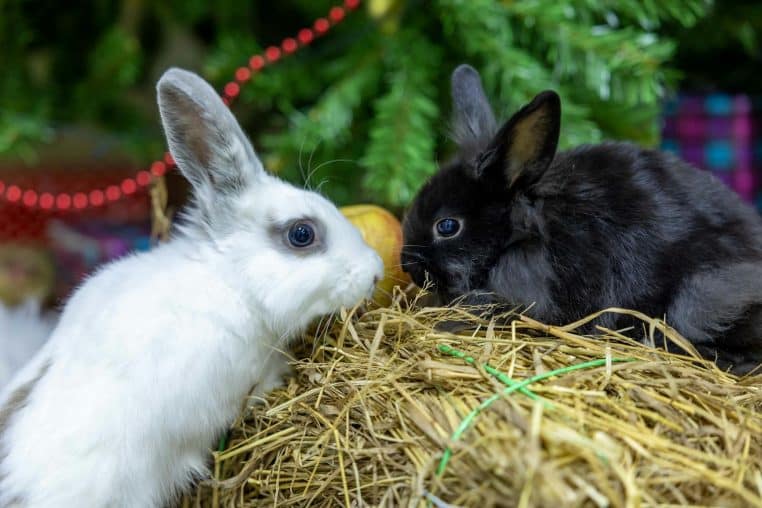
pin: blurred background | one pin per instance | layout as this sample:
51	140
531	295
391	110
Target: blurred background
348	96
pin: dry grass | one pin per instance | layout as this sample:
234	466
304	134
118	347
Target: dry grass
375	404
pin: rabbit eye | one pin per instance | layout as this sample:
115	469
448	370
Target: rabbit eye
301	235
448	227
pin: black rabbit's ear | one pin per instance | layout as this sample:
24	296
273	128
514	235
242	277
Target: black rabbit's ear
473	120
525	146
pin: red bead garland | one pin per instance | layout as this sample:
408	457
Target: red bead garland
336	14
80	200
322	25
30	198
242	74
113	193
256	62
129	186
305	36
272	54
143	178
289	45
63	201
96	197
47	200
232	89
13	193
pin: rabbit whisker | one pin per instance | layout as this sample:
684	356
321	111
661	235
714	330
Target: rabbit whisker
319	166
311	172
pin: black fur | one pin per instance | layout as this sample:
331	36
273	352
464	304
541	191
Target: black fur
608	225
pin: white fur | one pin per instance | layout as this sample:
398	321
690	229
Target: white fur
23	331
155	354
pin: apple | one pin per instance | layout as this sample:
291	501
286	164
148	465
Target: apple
383	233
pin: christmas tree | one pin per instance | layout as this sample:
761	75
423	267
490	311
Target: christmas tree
364	109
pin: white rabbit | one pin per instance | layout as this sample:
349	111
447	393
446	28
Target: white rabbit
154	355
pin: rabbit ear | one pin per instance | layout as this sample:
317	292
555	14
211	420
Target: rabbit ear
204	137
474	122
525	146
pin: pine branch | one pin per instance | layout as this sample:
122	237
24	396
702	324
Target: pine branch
623	64
400	154
649	14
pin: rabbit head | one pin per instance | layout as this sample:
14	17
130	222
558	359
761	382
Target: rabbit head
293	253
466	215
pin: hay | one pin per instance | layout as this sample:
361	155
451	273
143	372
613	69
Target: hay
370	414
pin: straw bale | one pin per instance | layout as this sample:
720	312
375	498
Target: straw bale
377	398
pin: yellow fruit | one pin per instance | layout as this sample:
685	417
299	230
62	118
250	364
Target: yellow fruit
383	232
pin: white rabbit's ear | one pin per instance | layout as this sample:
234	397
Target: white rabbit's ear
204	137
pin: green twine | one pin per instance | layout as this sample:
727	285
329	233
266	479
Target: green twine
444	348
512	386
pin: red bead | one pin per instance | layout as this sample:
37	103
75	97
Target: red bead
351	4
322	26
113	193
242	74
168	159
256	62
63	201
143	178
129	186
80	200
336	14
96	197
47	201
305	36
232	89
2	187
13	194
158	168
289	45
272	54
30	198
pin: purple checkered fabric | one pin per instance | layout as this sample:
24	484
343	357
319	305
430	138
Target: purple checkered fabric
719	133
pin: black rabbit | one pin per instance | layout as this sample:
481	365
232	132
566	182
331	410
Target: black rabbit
511	221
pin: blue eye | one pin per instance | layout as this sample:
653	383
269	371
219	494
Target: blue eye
301	235
448	227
